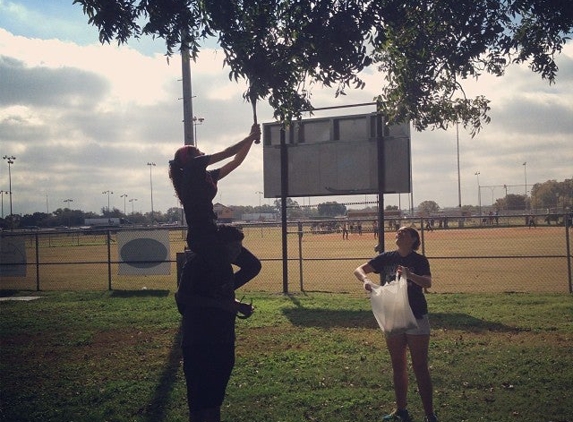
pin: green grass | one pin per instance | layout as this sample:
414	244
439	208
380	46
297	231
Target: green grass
114	356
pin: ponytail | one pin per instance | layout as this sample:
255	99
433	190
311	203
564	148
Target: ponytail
182	156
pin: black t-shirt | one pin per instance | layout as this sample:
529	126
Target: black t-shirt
387	263
200	189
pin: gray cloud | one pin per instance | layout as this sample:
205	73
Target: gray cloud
46	87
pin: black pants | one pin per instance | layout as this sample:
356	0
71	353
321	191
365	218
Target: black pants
208	346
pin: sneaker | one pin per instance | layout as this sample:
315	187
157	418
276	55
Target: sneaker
400	415
431	418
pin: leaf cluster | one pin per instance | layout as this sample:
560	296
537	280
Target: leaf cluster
423	49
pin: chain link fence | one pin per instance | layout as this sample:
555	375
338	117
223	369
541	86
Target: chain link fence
467	254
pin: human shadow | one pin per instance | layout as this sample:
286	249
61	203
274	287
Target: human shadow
155	411
139	293
342	318
330	318
8	292
465	322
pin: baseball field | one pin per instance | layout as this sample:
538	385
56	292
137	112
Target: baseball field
492	259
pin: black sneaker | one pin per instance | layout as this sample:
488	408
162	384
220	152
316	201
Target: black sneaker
400	415
431	418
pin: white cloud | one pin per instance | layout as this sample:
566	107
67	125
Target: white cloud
86	118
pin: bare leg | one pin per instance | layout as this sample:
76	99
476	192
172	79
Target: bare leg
397	348
418	345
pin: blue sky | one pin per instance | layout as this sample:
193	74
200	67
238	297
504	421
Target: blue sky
82	119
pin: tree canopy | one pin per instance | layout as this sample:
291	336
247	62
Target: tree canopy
331	209
427	208
424	49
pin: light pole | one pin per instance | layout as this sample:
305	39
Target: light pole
196	122
132	200
477	173
124	196
108	192
151	165
67	201
10	159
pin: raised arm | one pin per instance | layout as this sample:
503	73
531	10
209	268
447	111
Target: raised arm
239	151
234	149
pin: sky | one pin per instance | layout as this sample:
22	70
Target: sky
84	119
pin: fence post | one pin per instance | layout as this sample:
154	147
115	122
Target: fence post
300	234
109	259
422	229
284	194
568	249
37	263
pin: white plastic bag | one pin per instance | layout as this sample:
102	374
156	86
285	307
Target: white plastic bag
391	308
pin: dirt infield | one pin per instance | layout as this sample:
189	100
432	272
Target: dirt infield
463	260
489	259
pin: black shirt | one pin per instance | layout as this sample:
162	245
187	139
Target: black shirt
387	263
200	189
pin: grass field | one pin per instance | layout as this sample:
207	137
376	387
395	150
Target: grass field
493	259
114	356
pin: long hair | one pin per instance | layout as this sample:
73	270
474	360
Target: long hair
182	156
414	233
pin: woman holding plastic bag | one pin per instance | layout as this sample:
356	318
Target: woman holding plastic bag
405	262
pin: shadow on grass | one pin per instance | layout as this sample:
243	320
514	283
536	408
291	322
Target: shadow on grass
465	322
139	293
8	293
155	411
329	318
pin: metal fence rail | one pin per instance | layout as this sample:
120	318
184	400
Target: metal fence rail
467	254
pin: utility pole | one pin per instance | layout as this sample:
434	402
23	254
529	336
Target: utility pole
151	165
189	138
10	159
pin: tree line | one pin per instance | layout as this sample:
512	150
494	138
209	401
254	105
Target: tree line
550	195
